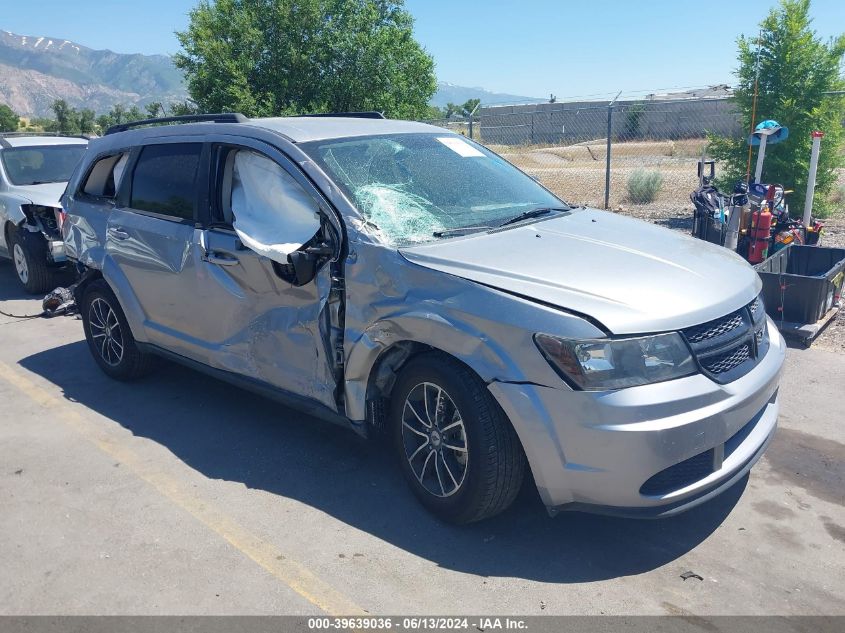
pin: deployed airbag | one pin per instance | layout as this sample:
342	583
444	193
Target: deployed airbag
273	214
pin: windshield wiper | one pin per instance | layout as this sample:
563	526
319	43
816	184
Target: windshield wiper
532	213
461	229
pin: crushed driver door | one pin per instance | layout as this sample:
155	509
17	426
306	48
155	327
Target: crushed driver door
257	319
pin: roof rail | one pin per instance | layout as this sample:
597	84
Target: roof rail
350	115
226	117
6	144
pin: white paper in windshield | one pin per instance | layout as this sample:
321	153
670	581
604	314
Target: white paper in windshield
460	146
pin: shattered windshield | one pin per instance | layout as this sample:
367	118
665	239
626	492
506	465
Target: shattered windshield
410	186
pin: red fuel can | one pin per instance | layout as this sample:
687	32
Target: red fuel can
761	229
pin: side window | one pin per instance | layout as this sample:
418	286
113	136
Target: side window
269	210
164	179
104	179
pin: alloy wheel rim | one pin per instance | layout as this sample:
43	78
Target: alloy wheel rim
21	266
106	332
434	438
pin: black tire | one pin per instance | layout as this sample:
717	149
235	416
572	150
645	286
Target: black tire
32	272
109	338
494	465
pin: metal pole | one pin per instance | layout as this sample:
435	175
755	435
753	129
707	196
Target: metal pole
607	163
761	156
811	178
471	114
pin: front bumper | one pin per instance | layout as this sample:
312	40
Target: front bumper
654	450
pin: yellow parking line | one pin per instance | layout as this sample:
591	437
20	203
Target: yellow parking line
293	574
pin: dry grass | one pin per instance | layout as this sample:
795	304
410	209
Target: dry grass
577	172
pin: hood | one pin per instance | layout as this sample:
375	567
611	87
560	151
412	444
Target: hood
631	276
46	195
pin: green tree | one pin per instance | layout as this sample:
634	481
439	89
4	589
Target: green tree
85	120
155	110
452	109
9	121
633	121
796	69
183	108
119	114
271	57
434	113
42	124
469	106
67	119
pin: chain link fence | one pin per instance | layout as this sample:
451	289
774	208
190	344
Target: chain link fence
640	156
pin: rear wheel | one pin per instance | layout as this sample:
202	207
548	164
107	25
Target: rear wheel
457	449
29	256
109	338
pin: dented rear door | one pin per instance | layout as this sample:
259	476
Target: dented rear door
151	252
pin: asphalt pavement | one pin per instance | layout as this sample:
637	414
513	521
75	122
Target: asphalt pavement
180	494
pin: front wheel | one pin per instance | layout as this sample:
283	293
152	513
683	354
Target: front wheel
456	447
29	255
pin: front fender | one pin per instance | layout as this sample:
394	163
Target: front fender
460	339
11	211
390	300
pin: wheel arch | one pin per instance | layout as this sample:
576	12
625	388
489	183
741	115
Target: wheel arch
133	315
387	344
8	226
13	211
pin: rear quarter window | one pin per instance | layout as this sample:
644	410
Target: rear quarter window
164	180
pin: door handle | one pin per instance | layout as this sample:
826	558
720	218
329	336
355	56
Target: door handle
221	259
118	234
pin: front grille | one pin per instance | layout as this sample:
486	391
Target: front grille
713	329
729	347
699	466
727	361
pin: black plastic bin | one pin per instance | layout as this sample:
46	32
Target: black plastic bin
811	277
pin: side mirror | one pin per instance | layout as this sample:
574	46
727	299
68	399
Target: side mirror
305	262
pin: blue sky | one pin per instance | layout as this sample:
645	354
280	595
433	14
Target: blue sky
525	47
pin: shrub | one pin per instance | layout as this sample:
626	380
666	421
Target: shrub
643	186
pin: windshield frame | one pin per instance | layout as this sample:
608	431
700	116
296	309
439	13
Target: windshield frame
366	227
10	176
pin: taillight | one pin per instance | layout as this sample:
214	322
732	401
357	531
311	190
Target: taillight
60	218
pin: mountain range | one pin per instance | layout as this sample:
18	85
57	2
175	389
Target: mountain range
37	70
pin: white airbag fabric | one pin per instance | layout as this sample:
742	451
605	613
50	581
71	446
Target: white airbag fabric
119	168
274	216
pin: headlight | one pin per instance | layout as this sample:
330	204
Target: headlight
604	364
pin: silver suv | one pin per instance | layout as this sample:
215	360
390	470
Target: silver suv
395	277
34	170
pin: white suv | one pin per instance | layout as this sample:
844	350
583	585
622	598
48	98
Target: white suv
34	170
